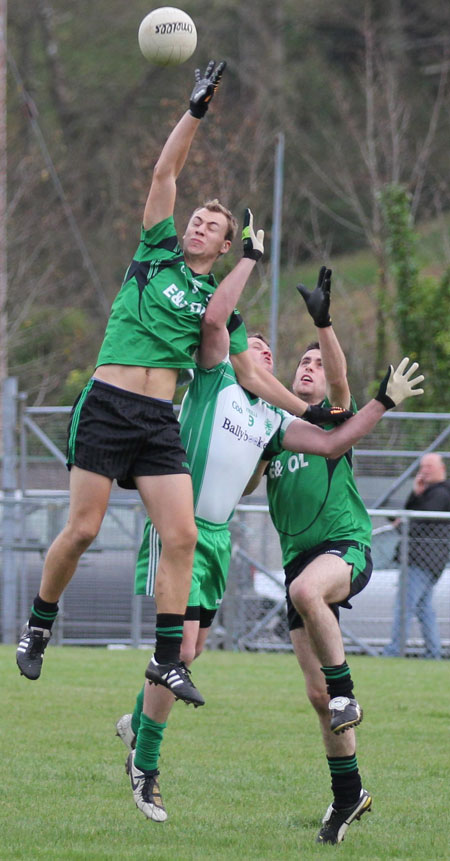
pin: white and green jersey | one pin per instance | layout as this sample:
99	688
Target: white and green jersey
224	430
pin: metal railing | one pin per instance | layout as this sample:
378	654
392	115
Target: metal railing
99	606
253	614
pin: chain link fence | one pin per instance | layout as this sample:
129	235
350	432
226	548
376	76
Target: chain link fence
383	460
253	613
99	607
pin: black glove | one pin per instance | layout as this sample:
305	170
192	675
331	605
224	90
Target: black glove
253	243
204	88
318	300
316	415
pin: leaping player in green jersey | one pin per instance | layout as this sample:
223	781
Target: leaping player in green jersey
325	536
225	430
123	426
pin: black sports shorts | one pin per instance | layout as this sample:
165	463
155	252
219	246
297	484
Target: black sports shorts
121	434
200	614
353	552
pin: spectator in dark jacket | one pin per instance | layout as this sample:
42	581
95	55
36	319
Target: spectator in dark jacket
428	550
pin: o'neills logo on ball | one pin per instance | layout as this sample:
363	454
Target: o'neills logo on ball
173	27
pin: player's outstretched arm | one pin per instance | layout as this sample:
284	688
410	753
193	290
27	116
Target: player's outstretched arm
317	301
394	388
161	198
215	339
333	359
263	384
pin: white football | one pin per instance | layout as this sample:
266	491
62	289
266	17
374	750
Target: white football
167	36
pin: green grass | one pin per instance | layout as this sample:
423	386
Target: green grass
245	777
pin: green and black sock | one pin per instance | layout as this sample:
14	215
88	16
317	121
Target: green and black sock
43	614
169	633
339	681
345	780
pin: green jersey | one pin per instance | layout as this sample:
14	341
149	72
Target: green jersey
314	499
156	316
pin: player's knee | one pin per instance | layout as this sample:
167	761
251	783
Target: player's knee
180	540
188	653
199	649
82	534
319	699
301	596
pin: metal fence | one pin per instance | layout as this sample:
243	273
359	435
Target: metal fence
384	460
99	607
253	615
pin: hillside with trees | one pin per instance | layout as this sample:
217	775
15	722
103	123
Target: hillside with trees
361	93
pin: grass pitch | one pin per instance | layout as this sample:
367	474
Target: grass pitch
244	777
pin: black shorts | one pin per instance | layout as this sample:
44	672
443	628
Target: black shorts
200	614
120	434
356	554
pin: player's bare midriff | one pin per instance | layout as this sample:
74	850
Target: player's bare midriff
151	382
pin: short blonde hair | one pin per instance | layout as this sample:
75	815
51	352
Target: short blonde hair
215	206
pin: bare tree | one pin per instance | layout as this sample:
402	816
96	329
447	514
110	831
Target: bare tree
373	146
